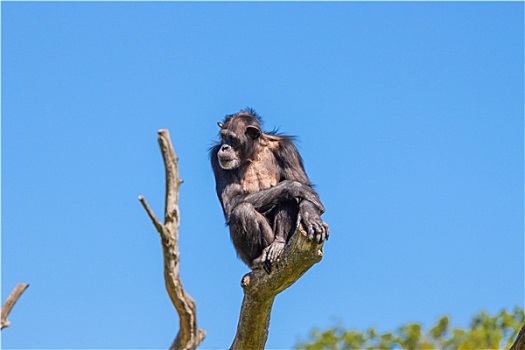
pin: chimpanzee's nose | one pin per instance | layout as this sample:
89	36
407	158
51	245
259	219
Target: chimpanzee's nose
225	147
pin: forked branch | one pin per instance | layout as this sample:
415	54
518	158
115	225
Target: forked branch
189	336
10	302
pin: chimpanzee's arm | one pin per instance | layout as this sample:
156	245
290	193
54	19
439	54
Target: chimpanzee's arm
265	200
310	210
284	191
292	168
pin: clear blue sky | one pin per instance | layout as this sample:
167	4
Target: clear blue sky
410	120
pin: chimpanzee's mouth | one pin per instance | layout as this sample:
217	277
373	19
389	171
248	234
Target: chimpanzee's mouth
225	161
228	163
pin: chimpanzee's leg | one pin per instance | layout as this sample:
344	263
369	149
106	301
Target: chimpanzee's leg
284	225
250	232
285	221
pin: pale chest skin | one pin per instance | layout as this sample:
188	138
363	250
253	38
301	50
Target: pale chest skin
260	174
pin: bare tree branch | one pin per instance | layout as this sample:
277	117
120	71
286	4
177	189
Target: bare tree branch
151	214
189	336
260	290
10	302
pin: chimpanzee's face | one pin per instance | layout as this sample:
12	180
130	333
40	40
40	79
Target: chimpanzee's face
229	152
239	136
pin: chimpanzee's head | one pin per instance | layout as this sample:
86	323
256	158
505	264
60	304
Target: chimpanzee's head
240	134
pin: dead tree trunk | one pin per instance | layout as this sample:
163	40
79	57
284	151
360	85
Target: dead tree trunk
189	336
260	288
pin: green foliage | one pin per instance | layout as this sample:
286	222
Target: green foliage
485	332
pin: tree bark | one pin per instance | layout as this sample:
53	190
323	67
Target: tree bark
189	336
260	289
10	302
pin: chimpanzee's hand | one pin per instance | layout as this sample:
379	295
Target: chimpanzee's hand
317	230
270	254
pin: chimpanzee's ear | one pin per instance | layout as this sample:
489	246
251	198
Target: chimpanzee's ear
253	132
220	124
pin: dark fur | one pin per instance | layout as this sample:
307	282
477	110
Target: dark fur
263	189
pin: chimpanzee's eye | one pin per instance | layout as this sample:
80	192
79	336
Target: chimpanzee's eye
234	141
231	140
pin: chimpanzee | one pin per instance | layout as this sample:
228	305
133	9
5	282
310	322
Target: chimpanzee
263	189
